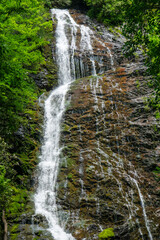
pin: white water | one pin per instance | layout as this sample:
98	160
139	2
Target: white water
86	45
45	198
120	166
143	208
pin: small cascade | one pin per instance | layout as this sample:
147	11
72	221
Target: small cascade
143	207
112	159
86	45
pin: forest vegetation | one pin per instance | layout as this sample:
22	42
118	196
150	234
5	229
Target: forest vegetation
23	30
139	21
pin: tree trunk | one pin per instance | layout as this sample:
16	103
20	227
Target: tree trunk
5	225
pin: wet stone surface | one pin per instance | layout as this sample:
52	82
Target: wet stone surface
108	158
106	177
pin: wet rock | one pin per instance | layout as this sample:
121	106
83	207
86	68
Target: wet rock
30	226
116	153
46	78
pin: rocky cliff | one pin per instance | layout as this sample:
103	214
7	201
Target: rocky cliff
108	177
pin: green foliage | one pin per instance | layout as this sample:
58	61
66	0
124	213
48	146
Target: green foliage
142	30
106	234
70	176
157	170
140	19
157	173
80	4
110	12
16	169
5	188
22	36
61	3
23	27
6	159
17	201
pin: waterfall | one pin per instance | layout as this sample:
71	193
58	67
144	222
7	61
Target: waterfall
45	198
71	67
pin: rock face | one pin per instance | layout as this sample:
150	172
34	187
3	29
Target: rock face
107	177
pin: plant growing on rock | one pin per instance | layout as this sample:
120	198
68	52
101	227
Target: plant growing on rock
107	234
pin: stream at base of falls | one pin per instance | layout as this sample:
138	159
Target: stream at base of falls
73	39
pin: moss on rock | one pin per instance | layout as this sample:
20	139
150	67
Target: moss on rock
106	234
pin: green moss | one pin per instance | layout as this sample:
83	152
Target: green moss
70	175
18	203
70	151
138	84
70	162
65	128
14	228
72	146
106	234
116	31
14	236
67	161
156	173
39	233
75	127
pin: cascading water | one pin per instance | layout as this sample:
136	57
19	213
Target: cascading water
70	68
45	198
116	158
